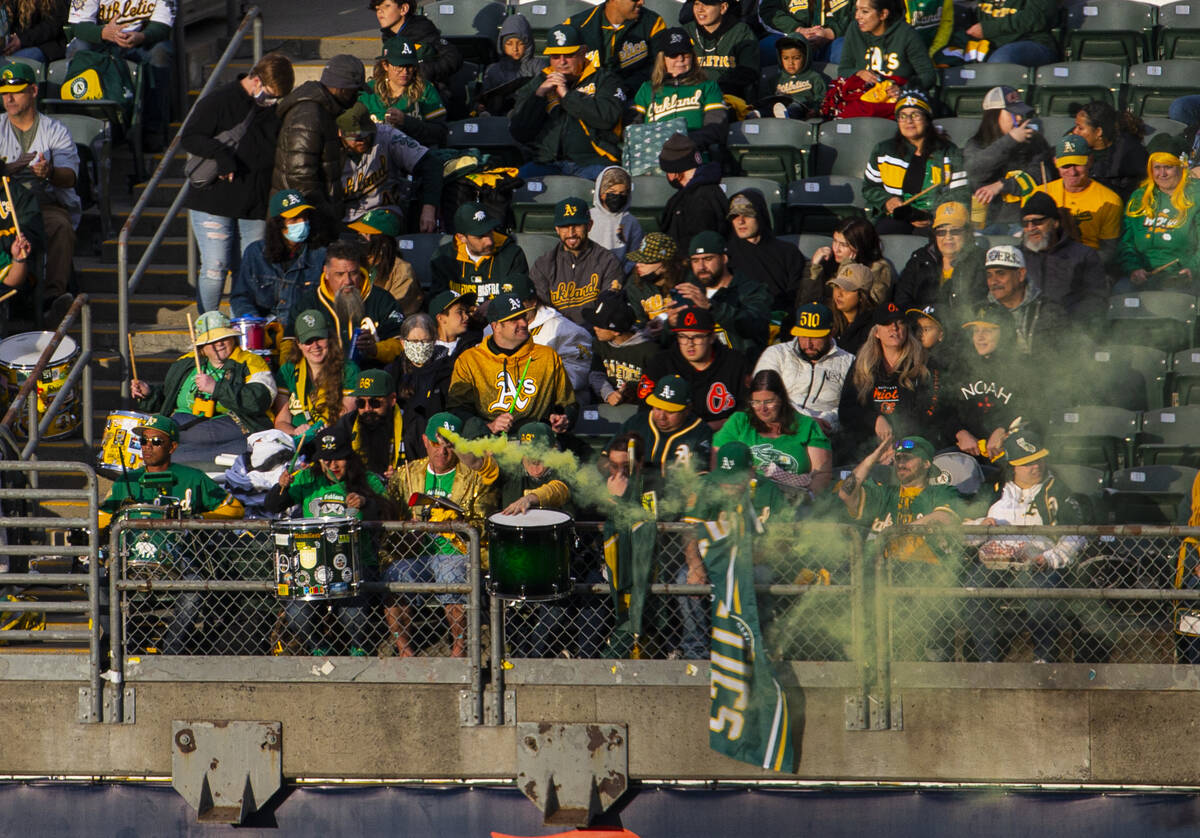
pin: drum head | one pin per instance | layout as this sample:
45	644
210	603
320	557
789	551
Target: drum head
138	417
23	350
306	524
532	518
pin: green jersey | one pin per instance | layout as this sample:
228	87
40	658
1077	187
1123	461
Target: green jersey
889	506
302	400
428	105
687	101
789	452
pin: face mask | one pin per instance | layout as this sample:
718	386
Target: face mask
417	352
614	201
296	233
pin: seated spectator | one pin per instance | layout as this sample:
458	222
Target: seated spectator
571	275
674	436
813	367
1018	31
1006	159
893	387
1097	210
853	311
376	424
508	380
312	383
623	37
1066	272
739	304
679	88
284	265
716	375
651	286
788	447
948	272
989	386
228	215
479	261
883	45
570	112
933	21
399	95
452	314
379	162
910	174
50	177
516	65
1040	323
754	251
379	229
1160	234
36	30
365	318
421	377
16	250
726	48
216	400
854	240
439	59
699	204
799	89
821	23
926	324
621	351
1115	139
614	227
553	330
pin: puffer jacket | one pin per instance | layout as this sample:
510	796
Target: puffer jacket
308	157
921	284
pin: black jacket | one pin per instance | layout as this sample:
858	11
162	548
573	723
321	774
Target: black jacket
699	206
251	162
1072	275
308	155
421	392
43	30
718	391
1122	166
920	283
923	410
777	264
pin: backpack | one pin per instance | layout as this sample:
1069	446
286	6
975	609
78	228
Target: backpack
94	75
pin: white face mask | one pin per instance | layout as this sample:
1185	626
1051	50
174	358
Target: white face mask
419	351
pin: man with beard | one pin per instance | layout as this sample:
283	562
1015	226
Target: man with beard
376	426
308	153
1096	208
479	260
754	251
673	433
740	306
699	204
717	376
1040	323
571	276
813	367
1067	272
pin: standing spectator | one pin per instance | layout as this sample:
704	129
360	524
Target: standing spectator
228	215
739	303
754	251
1162	224
726	48
379	229
679	88
308	156
479	260
853	310
1115	139
1040	323
50	176
398	94
623	37
282	266
439	59
516	65
882	44
1018	31
948	272
1063	270
613	225
36	29
572	274
621	351
813	367
699	204
1096	208
570	112
854	240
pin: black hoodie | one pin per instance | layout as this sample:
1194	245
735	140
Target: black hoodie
699	206
777	264
440	59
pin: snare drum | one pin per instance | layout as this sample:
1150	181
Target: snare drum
149	553
18	357
252	333
530	555
121	448
316	558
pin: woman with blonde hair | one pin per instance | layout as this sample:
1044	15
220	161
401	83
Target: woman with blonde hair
1160	233
312	383
399	95
680	89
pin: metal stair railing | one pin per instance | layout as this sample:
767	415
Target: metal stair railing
127	283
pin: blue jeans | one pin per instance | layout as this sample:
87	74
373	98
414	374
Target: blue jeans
1186	109
444	569
221	241
562	167
34	53
1025	53
202	440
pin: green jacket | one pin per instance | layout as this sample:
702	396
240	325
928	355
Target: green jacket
787	16
628	51
729	56
245	389
583	127
899	51
1154	239
887	176
1005	21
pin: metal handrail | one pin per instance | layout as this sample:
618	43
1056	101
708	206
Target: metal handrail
127	284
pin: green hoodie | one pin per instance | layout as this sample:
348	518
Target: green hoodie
787	16
899	51
1148	241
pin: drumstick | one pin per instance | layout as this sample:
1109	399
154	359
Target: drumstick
132	357
630	448
195	348
1163	267
924	191
11	206
9	294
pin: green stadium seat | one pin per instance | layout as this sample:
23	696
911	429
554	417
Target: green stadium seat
816	204
1155	84
533	204
544	15
771	190
535	244
963	88
1056	86
471	25
958	128
1093	435
1178	30
1164	320
772	148
417	249
486	133
1185	377
1163	124
649	197
899	247
1054	128
1084	480
1102	30
93	139
844	145
1148	494
806	243
1111	366
1169	436
103	109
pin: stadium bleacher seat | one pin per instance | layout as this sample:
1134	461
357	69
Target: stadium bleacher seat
535	244
103	109
417	249
543	15
1082	479
898	247
1111	366
1185	377
1171	127
1093	435
808	243
964	87
486	133
815	204
1168	436
772	192
772	148
1164	320
1055	128
844	146
93	139
533	204
1178	30
958	128
650	195
1056	86
471	25
1155	84
1102	30
1148	494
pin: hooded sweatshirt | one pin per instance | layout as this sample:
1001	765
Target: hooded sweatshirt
729	55
777	264
572	282
807	86
454	269
1005	21
627	49
504	77
1040	323
899	51
618	231
699	206
527	382
378	305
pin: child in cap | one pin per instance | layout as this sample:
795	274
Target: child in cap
620	352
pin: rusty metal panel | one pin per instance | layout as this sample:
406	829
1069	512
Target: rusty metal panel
572	772
226	770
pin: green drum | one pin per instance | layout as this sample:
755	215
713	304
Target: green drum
150	554
530	555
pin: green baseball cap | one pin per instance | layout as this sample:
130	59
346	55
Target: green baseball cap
1072	150
474	220
311	324
440	423
444	300
287	202
671	393
571	211
377	222
16	77
563	40
537	433
506	307
710	241
374	383
399	52
356	121
916	446
733	463
163	424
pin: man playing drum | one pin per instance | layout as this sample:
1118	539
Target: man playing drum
443	558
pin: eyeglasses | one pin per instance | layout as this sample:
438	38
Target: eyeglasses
374	403
155	441
944	232
693	338
909	116
763	402
1034	222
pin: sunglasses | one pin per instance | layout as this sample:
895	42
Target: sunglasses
906	445
374	403
311	341
1034	222
943	232
155	441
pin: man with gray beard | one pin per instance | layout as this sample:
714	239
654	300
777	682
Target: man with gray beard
1067	272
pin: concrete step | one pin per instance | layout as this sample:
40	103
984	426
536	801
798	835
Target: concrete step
171	250
147	310
98	278
163	196
149	222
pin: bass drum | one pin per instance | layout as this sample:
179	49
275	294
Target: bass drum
530	555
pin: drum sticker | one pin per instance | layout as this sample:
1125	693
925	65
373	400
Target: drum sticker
285	564
347	575
331	535
338	588
281	539
339	561
302	577
322	574
281	590
308	558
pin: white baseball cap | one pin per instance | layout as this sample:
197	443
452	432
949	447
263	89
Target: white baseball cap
1005	256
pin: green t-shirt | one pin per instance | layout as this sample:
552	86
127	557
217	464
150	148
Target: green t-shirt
427	106
302	411
196	491
322	498
891	505
789	452
687	101
440	486
187	392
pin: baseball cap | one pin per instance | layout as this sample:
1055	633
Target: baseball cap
1006	98
1023	447
311	324
334	444
852	277
287	202
671	393
377	222
656	247
733	463
446	299
917	446
887	314
614	312
16	77
695	320
345	72
374	383
1072	150
536	433
951	214
441	423
571	211
562	40
474	220
163	424
399	52
356	121
709	241
813	321
987	316
676	41
739	204
506	307
915	314
1004	256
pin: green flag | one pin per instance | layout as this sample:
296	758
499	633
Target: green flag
629	555
748	716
